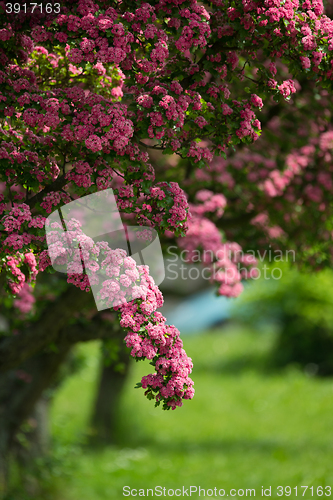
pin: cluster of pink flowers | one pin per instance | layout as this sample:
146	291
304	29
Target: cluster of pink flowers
108	37
12	266
54	199
9	151
299	163
289	189
124	281
224	260
145	235
150	338
22	228
16	217
172	214
17	241
175	108
98	123
25	299
210	203
80	174
260	170
94	143
249	122
276	182
30	261
100	135
179	210
199	153
287	88
130	290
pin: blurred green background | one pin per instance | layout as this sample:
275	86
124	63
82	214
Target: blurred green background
256	420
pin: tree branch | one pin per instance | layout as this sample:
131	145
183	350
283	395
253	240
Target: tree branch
215	48
57	185
150	147
53	326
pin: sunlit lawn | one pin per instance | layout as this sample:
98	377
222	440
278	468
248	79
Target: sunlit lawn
246	427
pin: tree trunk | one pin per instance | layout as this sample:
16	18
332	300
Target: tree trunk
20	390
28	368
111	382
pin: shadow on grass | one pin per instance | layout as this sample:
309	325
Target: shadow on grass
263	364
278	449
268	365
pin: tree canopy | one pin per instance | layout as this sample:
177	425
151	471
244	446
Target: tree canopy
211	122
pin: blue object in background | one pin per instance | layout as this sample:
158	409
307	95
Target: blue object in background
199	312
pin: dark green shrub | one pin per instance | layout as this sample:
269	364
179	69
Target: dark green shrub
301	307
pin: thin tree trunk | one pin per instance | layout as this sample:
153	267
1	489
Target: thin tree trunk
110	386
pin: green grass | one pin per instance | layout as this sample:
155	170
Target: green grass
245	428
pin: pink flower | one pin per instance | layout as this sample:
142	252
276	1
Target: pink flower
306	63
201	121
93	143
272	68
256	101
287	88
145	100
317	57
75	56
226	110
